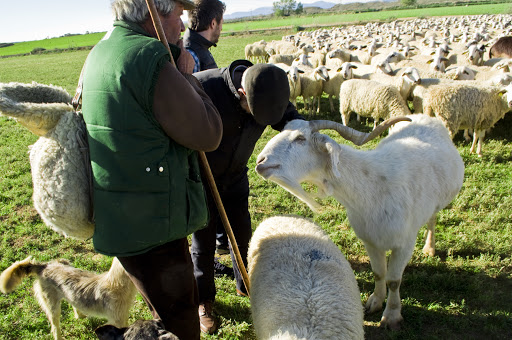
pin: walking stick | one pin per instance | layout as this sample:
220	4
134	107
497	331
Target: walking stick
218	201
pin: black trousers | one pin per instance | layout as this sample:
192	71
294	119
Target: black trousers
235	199
164	277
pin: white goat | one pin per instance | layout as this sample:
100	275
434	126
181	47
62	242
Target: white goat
302	287
389	192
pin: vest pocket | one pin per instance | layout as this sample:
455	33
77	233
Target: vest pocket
197	211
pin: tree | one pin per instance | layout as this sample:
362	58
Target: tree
284	7
408	2
299	9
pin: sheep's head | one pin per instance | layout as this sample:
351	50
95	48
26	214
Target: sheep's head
38	107
300	153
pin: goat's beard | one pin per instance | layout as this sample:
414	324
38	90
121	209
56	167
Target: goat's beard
296	189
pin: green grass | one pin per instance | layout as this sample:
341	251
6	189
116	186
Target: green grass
461	293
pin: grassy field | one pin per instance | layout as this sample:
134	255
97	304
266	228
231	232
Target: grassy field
461	293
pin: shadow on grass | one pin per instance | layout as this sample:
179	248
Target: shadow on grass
442	302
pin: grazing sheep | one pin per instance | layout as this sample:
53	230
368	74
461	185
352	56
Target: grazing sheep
404	80
256	51
370	98
463	106
336	58
502	48
60	169
302	287
282	58
389	193
312	85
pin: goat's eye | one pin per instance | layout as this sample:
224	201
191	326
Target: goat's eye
299	139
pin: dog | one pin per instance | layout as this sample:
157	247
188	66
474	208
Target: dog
108	295
139	330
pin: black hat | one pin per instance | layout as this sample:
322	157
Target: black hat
268	92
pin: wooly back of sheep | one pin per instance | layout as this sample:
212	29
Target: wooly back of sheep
302	287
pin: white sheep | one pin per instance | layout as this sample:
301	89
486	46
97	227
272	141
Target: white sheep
404	80
294	83
336	58
302	287
464	106
282	58
370	98
312	84
60	169
389	193
256	51
332	86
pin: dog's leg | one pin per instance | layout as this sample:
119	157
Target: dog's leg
49	300
78	314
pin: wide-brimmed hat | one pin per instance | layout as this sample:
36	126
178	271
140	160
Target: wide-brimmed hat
187	4
268	92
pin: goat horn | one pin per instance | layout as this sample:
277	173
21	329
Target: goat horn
356	137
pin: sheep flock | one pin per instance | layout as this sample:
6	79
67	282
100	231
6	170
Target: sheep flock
449	52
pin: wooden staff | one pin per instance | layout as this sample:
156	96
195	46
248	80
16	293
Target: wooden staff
204	161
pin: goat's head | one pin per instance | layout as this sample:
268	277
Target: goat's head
300	153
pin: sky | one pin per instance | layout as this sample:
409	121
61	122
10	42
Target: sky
27	20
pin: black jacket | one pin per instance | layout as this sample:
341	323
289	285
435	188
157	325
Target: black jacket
200	45
240	131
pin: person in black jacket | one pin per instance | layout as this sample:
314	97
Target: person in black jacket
204	27
249	97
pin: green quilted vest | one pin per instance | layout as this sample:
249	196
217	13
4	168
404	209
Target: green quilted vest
147	188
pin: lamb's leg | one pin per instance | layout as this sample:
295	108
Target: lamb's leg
318	107
378	263
331	102
481	135
475	140
430	243
50	303
467	136
398	259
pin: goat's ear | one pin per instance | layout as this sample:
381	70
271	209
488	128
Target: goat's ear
329	148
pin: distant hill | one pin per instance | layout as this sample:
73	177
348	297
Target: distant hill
269	10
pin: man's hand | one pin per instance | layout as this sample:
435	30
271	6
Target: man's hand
185	62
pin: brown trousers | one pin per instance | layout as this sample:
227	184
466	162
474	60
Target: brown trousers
164	277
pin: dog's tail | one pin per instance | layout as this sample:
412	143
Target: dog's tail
12	276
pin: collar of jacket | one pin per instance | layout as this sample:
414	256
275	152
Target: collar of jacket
194	36
175	50
227	74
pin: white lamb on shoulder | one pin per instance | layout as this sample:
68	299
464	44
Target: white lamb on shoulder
389	192
370	98
57	159
302	287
